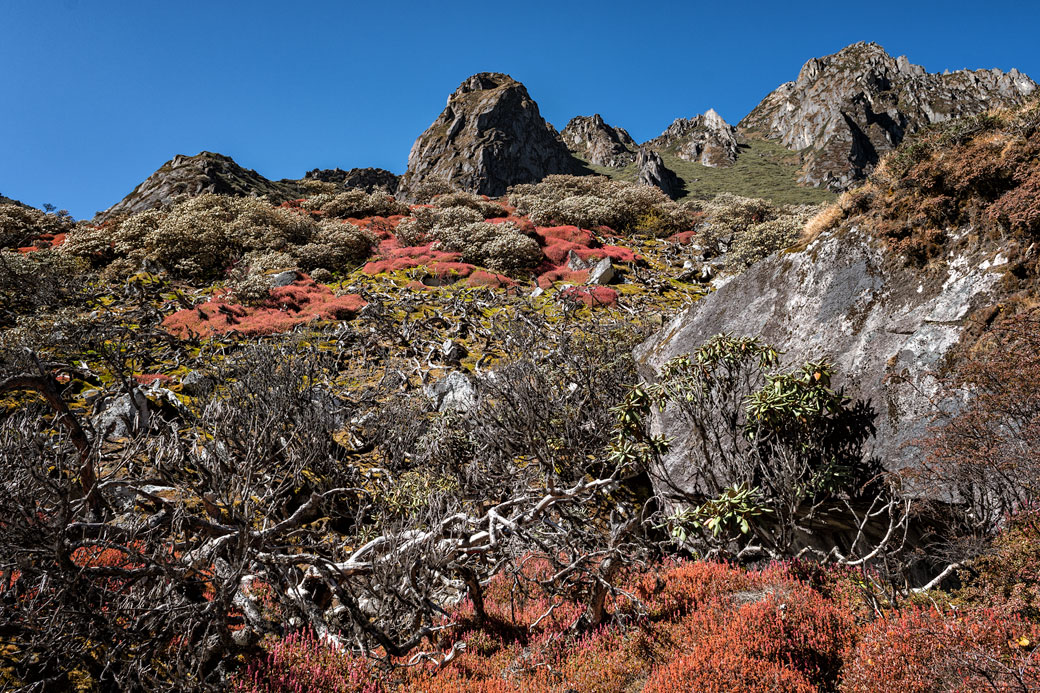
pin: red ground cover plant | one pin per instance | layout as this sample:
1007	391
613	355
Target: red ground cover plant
149	378
286	307
557	244
921	650
686	626
395	258
591	296
44	242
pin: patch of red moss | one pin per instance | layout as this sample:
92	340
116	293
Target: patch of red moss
683	237
489	279
592	295
286	307
562	274
149	378
441	264
44	241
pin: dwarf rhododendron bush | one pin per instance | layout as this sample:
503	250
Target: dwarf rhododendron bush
684	627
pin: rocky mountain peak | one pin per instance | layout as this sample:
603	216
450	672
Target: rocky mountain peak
591	138
847	109
652	171
206	172
489	136
706	139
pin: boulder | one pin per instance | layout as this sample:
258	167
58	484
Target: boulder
887	328
454	391
602	273
598	143
846	110
706	139
652	171
489	137
197	384
121	416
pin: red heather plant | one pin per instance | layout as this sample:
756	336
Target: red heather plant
591	296
300	662
922	650
693	626
285	308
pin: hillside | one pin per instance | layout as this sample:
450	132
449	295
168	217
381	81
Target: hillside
762	169
508	424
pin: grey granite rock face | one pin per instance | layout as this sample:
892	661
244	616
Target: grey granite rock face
205	172
886	327
598	143
706	139
845	110
489	137
367	179
652	171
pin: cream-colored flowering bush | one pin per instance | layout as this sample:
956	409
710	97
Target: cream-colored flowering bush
454	217
202	238
749	229
499	247
591	201
486	208
415	229
355	204
20	225
337	246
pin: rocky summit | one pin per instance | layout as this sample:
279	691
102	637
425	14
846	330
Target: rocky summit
205	172
367	179
590	138
489	137
845	110
706	139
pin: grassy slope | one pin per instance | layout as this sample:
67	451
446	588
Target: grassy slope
763	169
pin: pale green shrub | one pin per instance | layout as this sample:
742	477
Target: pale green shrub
251	290
761	240
749	229
423	193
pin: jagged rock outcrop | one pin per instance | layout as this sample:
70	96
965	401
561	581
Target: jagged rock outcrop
489	137
4	200
706	139
598	143
368	179
886	326
652	171
205	172
847	109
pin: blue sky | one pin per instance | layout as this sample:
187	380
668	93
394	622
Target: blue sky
97	94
